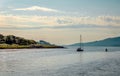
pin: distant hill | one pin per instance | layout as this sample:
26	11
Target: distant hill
49	45
106	42
44	42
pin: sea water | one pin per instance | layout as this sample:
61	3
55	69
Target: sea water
57	62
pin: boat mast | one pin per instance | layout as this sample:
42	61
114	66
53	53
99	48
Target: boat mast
80	41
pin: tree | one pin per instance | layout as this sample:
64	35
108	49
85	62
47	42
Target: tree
11	39
8	40
1	38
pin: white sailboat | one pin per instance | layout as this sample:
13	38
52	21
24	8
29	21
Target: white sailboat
80	48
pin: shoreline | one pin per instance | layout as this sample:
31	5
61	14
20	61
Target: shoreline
34	46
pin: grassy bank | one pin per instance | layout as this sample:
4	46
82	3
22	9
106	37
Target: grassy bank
16	46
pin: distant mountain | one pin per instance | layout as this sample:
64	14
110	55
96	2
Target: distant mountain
106	42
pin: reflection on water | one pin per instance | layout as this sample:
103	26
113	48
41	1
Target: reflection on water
26	61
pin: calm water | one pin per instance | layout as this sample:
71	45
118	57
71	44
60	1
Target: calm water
47	62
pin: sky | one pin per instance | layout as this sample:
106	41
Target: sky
60	21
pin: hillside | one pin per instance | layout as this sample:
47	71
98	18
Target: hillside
14	42
11	39
44	42
106	42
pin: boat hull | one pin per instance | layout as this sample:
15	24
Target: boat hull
79	50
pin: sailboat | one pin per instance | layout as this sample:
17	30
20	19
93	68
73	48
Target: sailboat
80	48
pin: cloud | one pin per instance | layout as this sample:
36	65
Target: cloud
37	8
37	22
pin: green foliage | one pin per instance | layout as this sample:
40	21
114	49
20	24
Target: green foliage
11	39
13	42
1	39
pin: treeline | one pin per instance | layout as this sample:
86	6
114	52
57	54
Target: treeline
11	39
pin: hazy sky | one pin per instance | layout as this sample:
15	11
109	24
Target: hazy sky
60	21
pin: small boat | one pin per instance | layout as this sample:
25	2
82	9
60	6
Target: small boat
80	48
